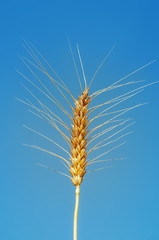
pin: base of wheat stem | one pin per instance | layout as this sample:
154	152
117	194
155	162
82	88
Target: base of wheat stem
76	213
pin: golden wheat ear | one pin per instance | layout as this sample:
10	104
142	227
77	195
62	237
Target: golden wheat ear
79	138
82	137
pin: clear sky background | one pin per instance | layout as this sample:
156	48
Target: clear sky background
118	203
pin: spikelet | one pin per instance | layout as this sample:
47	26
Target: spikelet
79	138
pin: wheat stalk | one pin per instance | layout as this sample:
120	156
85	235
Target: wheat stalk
78	137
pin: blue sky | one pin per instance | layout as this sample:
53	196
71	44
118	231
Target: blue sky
116	203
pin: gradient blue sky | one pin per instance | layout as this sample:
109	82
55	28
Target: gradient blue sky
117	203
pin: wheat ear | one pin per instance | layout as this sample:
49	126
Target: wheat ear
80	138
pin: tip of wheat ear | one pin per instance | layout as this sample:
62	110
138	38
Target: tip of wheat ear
79	138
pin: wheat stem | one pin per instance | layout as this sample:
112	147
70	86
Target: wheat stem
76	212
